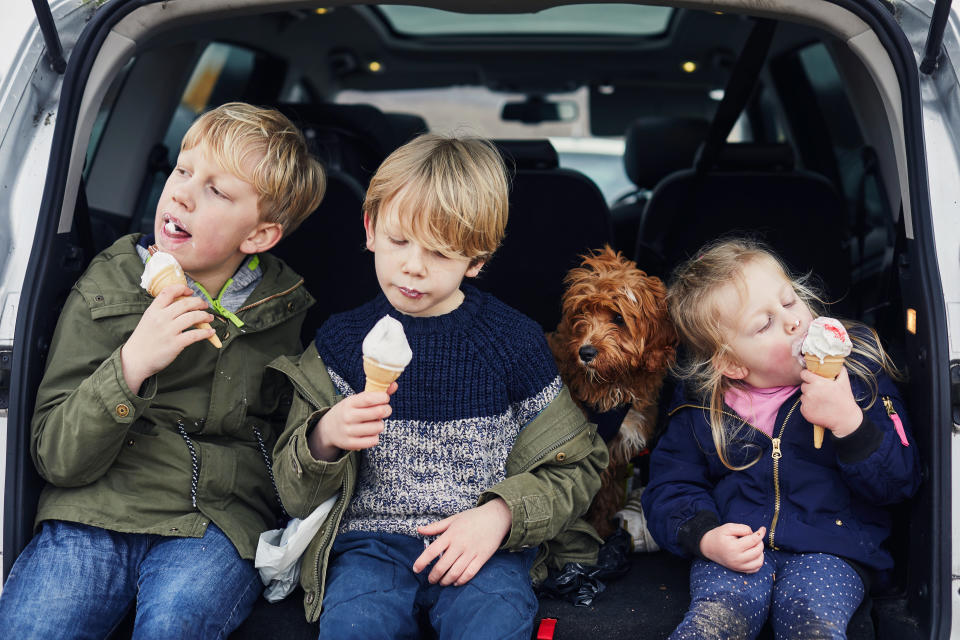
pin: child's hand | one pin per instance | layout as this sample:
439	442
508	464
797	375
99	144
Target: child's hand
466	542
162	334
734	546
830	403
352	424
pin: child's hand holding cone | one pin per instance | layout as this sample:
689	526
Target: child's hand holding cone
163	273
824	350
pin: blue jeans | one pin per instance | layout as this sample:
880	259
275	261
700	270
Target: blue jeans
805	595
78	581
372	592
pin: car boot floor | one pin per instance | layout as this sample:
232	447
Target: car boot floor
648	602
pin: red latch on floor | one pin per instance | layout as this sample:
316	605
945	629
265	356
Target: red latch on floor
545	631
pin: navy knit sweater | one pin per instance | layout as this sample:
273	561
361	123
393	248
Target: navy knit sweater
478	375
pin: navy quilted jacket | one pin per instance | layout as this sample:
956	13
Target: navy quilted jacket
831	500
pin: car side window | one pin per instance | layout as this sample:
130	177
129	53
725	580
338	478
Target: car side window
870	220
222	73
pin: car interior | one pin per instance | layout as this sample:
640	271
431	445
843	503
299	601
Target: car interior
649	128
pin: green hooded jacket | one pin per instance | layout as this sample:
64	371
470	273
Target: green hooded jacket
553	472
116	459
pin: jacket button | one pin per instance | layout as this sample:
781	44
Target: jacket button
123	410
290	306
309	597
130	443
561	456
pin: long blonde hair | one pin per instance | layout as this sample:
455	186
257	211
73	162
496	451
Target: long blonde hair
695	311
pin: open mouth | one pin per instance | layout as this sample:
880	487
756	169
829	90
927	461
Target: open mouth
172	228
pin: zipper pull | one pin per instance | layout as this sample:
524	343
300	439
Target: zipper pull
897	423
776	449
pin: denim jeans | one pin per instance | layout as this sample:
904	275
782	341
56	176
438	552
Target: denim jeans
79	581
372	592
805	595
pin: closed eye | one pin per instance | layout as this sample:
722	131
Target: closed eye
766	325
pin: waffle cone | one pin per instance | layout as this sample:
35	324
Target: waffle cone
174	275
379	376
829	368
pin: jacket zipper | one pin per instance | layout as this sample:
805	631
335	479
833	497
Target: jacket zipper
776	454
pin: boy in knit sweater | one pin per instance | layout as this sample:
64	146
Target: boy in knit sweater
450	481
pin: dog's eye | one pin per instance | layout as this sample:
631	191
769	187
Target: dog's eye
618	319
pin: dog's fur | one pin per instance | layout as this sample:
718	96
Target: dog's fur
618	310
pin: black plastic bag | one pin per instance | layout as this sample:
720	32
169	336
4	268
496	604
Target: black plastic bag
581	584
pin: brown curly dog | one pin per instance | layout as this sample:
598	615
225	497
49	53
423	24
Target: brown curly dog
613	346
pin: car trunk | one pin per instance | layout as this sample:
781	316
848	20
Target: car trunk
878	65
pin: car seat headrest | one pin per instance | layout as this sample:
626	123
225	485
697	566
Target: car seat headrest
528	154
754	156
656	146
406	126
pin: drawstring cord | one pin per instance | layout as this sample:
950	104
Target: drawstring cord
269	463
195	473
195	468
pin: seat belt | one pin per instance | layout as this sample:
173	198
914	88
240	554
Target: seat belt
740	86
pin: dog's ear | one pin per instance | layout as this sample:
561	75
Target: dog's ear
661	349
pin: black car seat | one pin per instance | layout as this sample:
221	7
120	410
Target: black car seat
405	126
654	147
556	215
751	189
349	138
329	251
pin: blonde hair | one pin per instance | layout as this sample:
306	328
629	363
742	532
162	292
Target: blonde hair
695	311
452	194
289	181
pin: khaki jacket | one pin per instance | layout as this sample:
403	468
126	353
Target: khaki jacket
553	472
116	459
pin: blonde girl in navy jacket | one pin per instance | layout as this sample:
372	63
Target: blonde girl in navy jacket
778	529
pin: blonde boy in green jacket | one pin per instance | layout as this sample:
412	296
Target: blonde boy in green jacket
153	442
447	486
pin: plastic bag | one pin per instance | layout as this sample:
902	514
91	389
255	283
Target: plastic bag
581	584
279	551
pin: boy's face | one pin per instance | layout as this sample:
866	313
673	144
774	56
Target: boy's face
417	281
208	219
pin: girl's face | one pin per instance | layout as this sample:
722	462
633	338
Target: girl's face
762	318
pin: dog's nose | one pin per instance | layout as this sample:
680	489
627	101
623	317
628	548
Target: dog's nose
587	353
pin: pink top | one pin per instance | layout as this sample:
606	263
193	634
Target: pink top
758	406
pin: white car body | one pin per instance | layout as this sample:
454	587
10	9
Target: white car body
30	105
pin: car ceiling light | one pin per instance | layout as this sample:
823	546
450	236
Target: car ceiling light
321	11
716	94
689	66
912	321
375	66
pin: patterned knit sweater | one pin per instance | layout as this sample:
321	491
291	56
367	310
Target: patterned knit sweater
478	375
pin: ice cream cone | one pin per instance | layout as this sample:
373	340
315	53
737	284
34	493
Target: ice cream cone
829	368
379	376
173	274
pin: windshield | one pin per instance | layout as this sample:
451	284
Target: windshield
593	19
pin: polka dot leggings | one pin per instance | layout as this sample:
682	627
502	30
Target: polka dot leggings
805	595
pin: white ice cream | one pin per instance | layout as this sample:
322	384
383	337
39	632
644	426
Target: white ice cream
826	337
387	344
156	263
